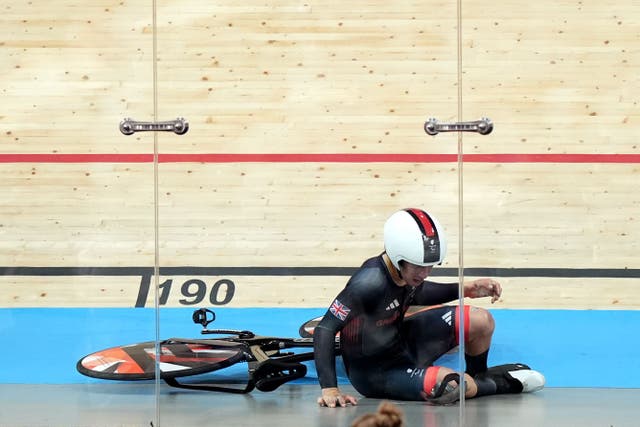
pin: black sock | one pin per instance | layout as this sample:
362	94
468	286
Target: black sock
476	364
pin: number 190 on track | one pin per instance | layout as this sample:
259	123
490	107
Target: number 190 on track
189	292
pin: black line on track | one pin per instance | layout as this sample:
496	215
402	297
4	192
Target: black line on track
591	273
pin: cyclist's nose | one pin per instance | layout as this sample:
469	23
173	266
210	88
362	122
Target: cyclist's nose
424	272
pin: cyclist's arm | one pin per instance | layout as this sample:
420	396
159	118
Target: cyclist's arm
324	351
433	293
325	359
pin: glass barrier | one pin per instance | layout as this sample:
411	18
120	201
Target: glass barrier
306	132
550	196
160	159
76	210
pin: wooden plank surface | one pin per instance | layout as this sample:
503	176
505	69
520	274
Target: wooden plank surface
328	214
289	77
293	291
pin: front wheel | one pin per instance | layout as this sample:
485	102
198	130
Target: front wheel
177	359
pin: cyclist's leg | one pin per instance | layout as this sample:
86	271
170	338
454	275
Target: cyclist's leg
427	333
388	377
441	384
431	332
401	379
479	327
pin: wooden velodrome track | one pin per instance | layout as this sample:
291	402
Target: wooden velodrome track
306	133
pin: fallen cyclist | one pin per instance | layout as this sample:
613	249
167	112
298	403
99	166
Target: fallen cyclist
390	354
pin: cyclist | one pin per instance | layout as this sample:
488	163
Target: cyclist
389	353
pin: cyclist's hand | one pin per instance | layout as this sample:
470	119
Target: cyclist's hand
483	288
332	396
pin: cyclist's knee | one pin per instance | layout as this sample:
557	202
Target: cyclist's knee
481	322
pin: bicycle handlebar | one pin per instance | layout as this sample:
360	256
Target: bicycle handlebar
240	334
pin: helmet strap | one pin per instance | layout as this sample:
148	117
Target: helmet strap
395	273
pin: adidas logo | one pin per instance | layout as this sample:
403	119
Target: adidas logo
393	305
447	317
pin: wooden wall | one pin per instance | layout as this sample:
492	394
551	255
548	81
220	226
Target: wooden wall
289	77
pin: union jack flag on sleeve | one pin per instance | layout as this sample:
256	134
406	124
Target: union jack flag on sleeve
339	310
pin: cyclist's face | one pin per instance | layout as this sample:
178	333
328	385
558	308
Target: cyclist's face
414	274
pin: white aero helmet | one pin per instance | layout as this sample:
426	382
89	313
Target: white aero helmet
414	236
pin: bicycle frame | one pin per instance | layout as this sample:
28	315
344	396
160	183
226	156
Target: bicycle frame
270	364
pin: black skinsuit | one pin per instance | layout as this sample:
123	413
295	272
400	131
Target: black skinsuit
385	354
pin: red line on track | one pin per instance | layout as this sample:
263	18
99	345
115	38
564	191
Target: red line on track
318	158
